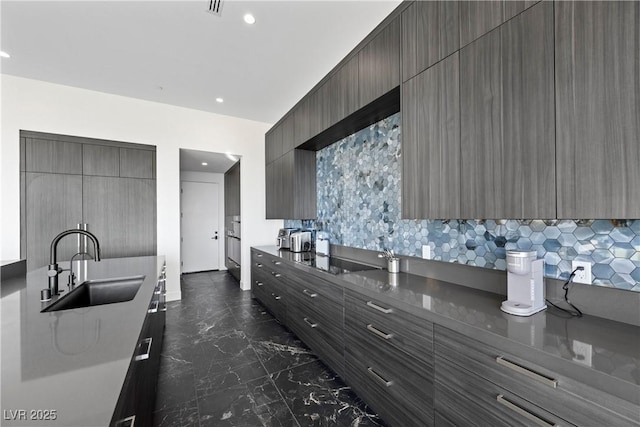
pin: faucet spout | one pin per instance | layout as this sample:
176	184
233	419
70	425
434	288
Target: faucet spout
54	271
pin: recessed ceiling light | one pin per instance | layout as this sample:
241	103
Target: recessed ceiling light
249	19
219	100
204	163
4	54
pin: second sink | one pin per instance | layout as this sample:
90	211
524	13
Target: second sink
98	292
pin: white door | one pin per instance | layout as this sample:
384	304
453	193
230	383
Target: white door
199	227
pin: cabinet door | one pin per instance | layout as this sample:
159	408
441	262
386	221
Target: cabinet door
288	136
598	98
121	213
53	156
430	32
273	144
55	205
379	64
100	160
137	163
232	190
478	17
431	142
507	120
301	127
303	182
342	93
514	7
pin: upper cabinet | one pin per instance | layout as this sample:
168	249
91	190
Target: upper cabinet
430	32
137	163
478	17
431	142
508	121
341	98
291	186
379	64
598	99
53	156
232	190
273	143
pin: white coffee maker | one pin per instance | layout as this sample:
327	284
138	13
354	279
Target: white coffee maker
525	284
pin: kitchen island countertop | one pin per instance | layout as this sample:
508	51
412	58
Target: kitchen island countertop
68	367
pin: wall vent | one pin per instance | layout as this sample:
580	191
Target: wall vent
215	7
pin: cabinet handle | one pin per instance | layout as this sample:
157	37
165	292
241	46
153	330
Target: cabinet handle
377	307
164	308
162	280
153	308
378	377
258	265
259	283
257	254
276	297
527	372
528	415
276	262
309	322
145	355
378	332
309	293
157	290
276	274
126	422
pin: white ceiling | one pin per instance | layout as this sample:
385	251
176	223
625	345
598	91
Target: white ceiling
175	52
191	160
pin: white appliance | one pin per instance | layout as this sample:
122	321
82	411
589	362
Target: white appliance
322	243
525	284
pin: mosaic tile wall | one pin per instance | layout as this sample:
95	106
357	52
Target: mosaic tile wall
359	187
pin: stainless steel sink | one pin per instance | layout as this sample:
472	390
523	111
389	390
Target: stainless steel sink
98	292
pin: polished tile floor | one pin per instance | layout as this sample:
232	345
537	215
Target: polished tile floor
228	362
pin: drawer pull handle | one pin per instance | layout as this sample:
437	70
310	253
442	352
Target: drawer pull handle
164	308
276	274
259	283
145	355
309	322
528	415
378	377
379	333
258	265
258	255
164	279
527	372
377	307
309	293
153	308
276	262
276	297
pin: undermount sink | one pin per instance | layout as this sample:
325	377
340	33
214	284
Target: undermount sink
98	292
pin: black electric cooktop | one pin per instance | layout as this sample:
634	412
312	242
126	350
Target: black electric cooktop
331	265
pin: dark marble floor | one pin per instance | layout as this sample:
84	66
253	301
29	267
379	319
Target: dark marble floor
228	362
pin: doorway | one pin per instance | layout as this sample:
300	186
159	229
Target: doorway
203	206
199	226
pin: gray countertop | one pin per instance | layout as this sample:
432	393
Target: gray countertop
73	362
599	352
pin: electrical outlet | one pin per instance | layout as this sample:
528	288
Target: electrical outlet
426	251
582	276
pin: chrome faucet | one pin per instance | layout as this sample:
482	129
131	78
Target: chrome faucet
54	270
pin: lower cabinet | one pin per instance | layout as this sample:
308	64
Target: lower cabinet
477	384
137	399
389	360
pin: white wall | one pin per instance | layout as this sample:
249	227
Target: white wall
45	107
217	178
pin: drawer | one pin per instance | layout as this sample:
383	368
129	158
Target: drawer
269	294
567	398
399	387
389	326
308	284
323	334
466	399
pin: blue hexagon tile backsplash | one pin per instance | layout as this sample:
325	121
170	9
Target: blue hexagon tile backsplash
359	186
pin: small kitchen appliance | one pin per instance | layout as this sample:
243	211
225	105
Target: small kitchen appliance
284	237
300	241
322	243
525	285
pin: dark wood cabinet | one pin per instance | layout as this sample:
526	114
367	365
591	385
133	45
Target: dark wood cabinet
430	33
288	135
301	118
507	120
121	213
291	186
232	190
379	64
137	163
341	98
597	51
100	160
273	144
513	7
52	156
478	17
431	142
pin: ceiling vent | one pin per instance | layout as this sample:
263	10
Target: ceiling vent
215	7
